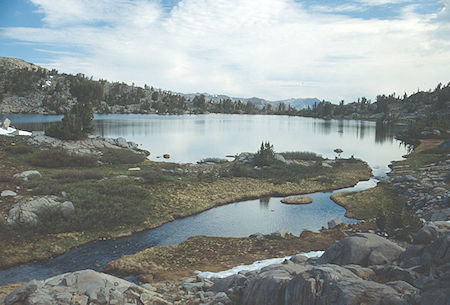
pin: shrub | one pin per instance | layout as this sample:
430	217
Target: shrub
207	177
121	156
240	170
265	156
55	158
213	160
108	204
64	131
395	218
77	175
301	155
19	149
151	176
5	178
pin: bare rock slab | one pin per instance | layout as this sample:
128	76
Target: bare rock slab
82	287
8	193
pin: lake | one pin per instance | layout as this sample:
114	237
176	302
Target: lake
192	138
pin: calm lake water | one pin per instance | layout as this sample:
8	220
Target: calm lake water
191	138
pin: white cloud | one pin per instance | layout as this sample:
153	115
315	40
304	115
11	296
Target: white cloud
268	48
343	8
382	2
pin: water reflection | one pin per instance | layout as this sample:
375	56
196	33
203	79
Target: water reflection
340	127
191	138
362	128
264	202
383	132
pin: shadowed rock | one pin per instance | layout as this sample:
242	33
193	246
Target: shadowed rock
363	249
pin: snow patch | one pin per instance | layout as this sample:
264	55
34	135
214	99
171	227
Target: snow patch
255	266
11	131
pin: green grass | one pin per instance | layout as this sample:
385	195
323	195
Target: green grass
121	156
56	158
386	205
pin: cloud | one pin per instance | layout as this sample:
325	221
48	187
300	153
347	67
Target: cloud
382	2
243	48
343	8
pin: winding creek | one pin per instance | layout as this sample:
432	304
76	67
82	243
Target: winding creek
191	138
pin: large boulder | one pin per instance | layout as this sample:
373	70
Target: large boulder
246	158
363	249
28	175
279	158
6	123
334	223
82	287
429	248
426	235
90	145
26	212
307	284
8	193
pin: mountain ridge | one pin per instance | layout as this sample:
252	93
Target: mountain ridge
12	63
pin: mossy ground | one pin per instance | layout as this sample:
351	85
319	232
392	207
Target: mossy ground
111	201
366	204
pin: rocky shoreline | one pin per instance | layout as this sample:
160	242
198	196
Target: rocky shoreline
425	185
361	268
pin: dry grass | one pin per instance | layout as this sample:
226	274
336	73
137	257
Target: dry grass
426	144
216	254
7	289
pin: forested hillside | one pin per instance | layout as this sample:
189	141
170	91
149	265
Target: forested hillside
27	88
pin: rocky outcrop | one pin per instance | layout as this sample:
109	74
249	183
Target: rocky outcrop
334	223
363	249
350	272
90	287
27	175
27	212
418	276
8	193
427	187
303	283
86	146
82	288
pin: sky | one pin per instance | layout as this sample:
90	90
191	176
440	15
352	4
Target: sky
273	49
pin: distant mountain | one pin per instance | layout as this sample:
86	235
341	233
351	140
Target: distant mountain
260	103
300	103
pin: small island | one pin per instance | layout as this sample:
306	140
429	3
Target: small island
297	200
